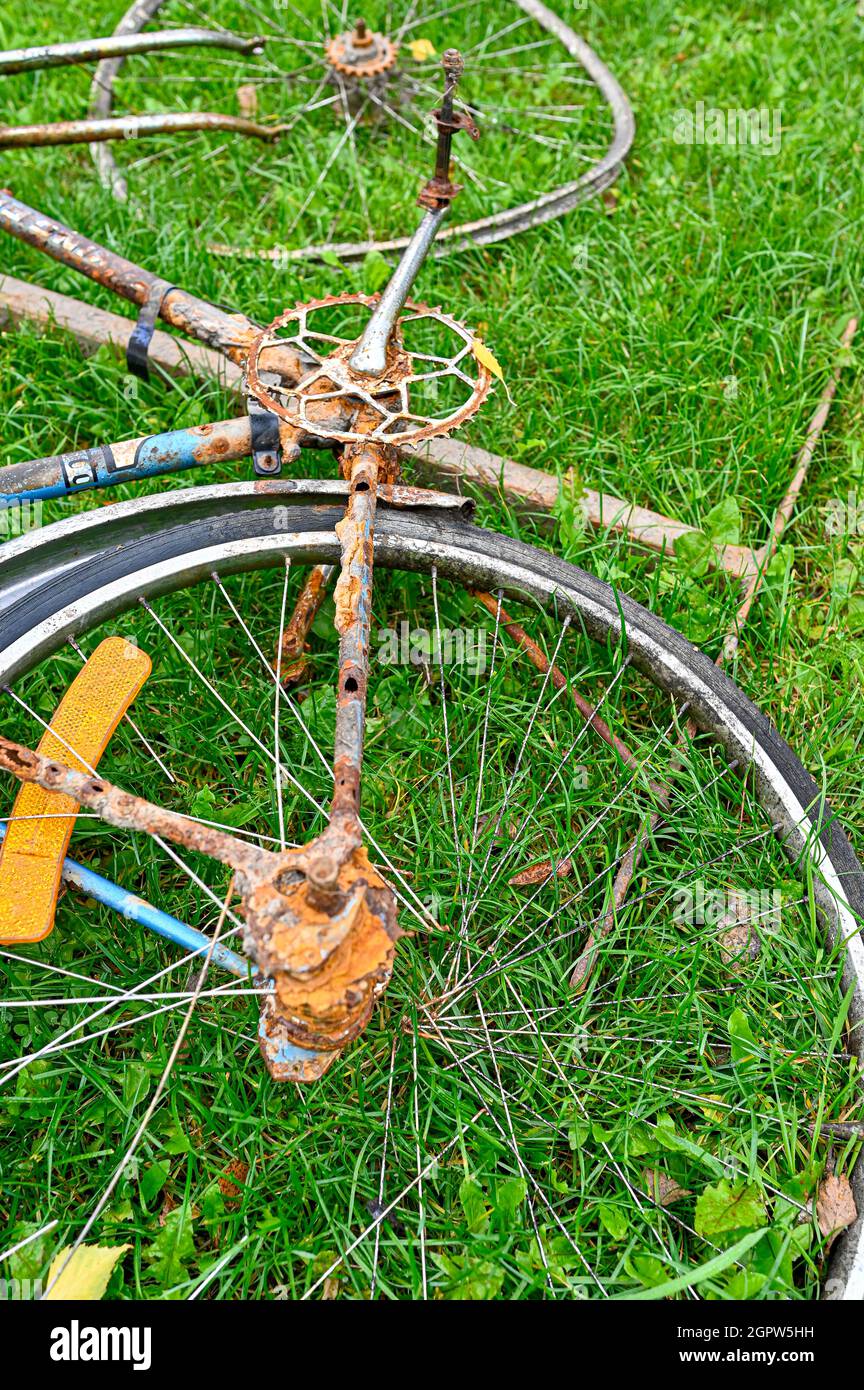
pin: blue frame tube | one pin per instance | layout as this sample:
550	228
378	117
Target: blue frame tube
137	910
149	456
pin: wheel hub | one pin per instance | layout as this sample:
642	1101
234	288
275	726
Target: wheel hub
361	54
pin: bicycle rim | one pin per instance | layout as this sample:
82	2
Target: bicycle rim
542	95
78	575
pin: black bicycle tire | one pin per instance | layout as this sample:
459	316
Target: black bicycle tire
103	550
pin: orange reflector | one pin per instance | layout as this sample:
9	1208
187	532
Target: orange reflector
41	823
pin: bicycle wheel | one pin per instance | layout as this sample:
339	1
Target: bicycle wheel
504	1137
354	105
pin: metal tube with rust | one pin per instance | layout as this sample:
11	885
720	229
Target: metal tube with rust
353	598
370	354
87	132
293	662
61	475
127	812
228	332
56	55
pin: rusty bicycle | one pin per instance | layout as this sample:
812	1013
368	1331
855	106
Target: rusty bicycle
511	832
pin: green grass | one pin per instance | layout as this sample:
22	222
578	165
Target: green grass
668	346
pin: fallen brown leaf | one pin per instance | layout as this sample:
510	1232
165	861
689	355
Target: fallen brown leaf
835	1205
739	944
539	873
662	1189
232	1179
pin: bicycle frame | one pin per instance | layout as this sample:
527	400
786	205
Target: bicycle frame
302	907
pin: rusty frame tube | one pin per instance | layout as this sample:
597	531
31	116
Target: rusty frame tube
88	132
148	456
127	812
56	55
92	327
227	332
353	597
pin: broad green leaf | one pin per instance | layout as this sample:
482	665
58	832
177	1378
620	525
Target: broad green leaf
855	614
781	562
614	1220
694	553
29	1262
376	272
136	1083
153	1179
710	1270
744	1045
726	1207
473	1200
722	523
647	1269
843	581
666	1137
744	1284
172	1248
577	1132
473	1280
509	1196
85	1277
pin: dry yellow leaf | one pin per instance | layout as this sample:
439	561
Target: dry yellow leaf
86	1276
488	360
711	1112
421	50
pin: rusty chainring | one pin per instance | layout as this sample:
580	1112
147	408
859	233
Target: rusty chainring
333	381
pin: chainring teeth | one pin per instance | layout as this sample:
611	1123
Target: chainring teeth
340	50
291	404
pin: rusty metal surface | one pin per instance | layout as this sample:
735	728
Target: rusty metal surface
439	191
328	953
353	600
510	221
54	55
361	53
438	457
89	131
310	405
128	812
292	663
229	333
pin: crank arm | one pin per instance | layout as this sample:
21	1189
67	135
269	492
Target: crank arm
128	812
